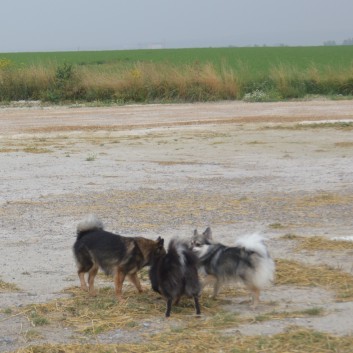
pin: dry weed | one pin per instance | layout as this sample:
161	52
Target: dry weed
294	340
294	273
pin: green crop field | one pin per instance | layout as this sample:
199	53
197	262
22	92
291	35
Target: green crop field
259	59
164	75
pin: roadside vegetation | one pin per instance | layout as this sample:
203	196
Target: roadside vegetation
179	75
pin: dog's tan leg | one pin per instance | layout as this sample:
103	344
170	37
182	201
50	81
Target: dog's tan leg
81	276
216	288
91	275
134	280
119	280
208	280
212	280
255	294
177	300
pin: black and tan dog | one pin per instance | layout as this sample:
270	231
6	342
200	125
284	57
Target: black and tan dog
175	274
117	255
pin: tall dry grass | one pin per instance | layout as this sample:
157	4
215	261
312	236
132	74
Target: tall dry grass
163	82
144	82
25	83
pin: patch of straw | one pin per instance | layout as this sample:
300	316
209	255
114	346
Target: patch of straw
322	243
94	315
34	149
293	341
294	273
184	332
324	199
8	287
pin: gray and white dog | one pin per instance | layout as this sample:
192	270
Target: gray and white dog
248	262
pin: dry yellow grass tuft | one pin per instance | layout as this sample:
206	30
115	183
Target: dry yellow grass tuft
324	199
322	243
34	149
8	287
294	341
8	150
192	340
344	144
294	273
169	163
94	315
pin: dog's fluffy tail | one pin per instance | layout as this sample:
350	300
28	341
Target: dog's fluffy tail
263	263
185	255
179	247
90	222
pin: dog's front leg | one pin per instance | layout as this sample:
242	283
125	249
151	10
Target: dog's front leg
119	280
134	280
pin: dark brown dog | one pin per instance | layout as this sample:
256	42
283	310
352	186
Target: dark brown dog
117	255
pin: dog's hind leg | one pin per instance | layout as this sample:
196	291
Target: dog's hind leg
119	280
81	276
84	265
91	275
216	288
197	305
134	280
169	307
210	279
255	295
177	300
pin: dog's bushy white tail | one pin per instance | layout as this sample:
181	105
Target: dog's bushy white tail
90	222
253	242
264	265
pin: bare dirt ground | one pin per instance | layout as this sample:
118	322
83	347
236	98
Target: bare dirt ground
165	170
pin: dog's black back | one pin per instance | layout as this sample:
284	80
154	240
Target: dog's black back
108	250
175	274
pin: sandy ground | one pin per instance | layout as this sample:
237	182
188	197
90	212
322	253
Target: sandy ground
164	170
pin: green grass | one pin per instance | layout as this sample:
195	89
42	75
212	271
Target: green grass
38	320
258	60
178	75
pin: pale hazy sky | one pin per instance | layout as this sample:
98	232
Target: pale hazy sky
56	25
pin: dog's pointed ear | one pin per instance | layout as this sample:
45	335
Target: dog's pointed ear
207	233
160	242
